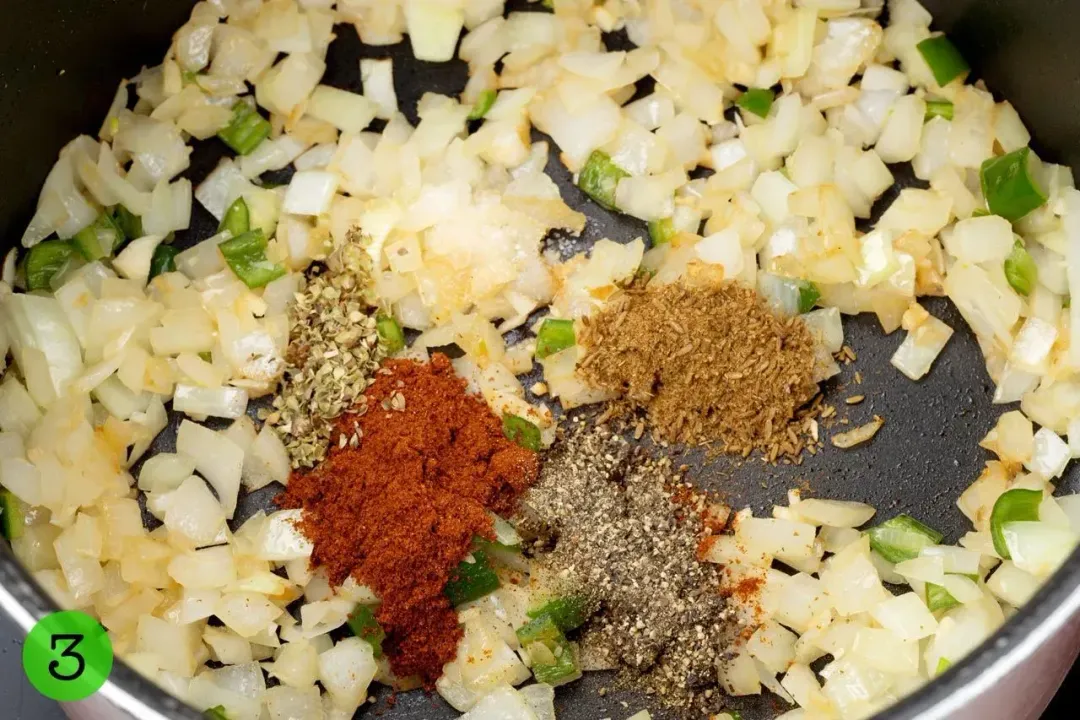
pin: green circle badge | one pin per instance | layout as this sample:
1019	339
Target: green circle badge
67	656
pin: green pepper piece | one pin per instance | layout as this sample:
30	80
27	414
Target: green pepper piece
939	108
215	713
237	219
541	629
12	515
1009	187
45	260
129	223
943	664
599	178
552	656
568	612
661	231
163	260
808	295
246	130
99	239
902	538
1014	505
363	625
519	430
1021	270
390	334
471	580
246	255
757	101
945	61
483	103
565	668
938	598
555	335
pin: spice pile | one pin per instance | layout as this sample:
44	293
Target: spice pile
623	529
399	506
333	353
707	364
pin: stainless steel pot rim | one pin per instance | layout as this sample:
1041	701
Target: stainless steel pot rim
1018	640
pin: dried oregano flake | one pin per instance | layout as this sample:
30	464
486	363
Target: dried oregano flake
333	354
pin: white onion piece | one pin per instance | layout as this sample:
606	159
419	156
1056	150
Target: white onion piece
266	460
133	262
344	110
281	540
921	347
377	78
906	616
1012	585
310	193
165	472
980	239
36	324
216	457
1031	347
1038	548
834	513
194	512
226	402
1049	456
346	670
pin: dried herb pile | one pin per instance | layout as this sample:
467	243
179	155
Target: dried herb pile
333	353
623	529
706	364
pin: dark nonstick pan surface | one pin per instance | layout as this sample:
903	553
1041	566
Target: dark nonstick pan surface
60	61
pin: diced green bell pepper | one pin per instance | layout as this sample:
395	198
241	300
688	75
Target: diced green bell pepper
555	335
600	177
1009	187
390	333
938	598
246	130
552	656
757	101
521	431
483	103
246	255
902	538
471	580
363	625
1016	505
45	260
163	260
237	219
12	515
1020	270
661	231
100	239
568	612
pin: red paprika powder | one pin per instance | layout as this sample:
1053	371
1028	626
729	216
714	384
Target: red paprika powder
399	511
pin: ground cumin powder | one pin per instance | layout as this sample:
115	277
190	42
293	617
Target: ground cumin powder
398	507
707	364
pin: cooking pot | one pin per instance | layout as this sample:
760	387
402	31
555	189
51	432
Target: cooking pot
60	61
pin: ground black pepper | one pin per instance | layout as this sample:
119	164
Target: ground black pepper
624	528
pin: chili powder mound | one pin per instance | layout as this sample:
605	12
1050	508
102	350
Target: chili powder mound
399	508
